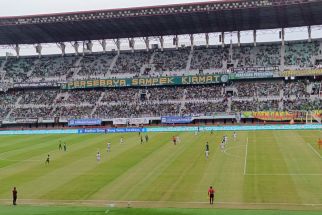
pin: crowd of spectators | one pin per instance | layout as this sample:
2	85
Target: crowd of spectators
38	97
211	58
295	88
73	112
244	105
120	94
300	53
204	92
35	112
171	60
3	112
165	93
9	98
243	56
17	68
95	64
158	101
139	109
316	88
204	108
53	66
302	104
268	55
258	88
132	63
82	96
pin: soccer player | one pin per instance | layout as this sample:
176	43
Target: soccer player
211	194
178	139
174	139
65	147
121	140
222	145
235	135
108	147
146	138
48	159
225	139
141	140
207	150
60	147
14	196
98	156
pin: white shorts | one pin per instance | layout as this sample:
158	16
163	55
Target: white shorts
207	153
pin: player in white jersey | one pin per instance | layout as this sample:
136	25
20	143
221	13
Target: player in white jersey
178	139
108	147
98	156
207	150
121	140
235	135
222	145
225	139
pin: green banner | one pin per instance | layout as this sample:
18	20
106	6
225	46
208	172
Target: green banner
154	81
251	75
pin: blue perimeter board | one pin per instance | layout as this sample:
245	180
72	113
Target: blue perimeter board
166	129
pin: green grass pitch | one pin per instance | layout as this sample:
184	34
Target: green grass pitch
260	170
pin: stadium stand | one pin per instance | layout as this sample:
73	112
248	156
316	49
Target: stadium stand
32	86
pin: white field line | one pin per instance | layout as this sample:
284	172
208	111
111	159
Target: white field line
108	202
314	150
285	174
245	164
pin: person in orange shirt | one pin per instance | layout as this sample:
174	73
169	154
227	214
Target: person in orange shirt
211	194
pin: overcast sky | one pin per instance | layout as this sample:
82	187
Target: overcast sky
27	7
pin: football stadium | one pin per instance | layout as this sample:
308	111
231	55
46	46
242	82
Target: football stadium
212	107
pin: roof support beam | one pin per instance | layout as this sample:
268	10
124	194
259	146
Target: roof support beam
192	42
17	49
103	44
147	43
207	40
161	42
238	38
118	45
38	48
76	46
62	48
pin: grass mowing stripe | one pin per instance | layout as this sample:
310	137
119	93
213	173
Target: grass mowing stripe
105	172
76	168
316	152
131	184
246	151
14	178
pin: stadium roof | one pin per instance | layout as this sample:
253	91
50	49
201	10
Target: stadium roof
216	16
